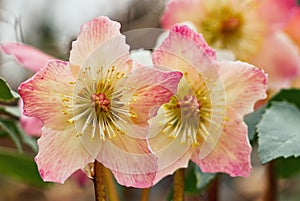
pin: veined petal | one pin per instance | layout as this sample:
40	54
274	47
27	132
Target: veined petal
28	56
135	180
276	12
47	95
244	85
232	152
282	69
181	10
183	42
60	154
93	34
150	92
130	160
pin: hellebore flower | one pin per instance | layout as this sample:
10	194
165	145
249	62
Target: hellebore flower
203	121
97	107
252	30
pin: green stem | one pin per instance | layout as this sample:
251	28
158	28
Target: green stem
99	182
179	185
145	194
110	185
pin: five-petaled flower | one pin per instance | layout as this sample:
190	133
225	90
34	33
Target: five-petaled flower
252	30
203	121
97	107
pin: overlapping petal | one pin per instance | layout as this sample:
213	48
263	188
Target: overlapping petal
150	92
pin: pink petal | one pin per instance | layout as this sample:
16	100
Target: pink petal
80	177
232	152
28	56
279	57
244	85
31	125
177	11
47	95
130	160
150	88
93	34
60	154
135	180
184	50
292	27
183	41
276	12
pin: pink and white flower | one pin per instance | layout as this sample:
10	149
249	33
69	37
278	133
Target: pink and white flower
252	30
97	107
203	121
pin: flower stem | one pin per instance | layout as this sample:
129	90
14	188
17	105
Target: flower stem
271	192
213	189
179	185
99	183
145	194
110	185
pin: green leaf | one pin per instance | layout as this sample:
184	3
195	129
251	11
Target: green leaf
12	111
20	166
279	132
9	128
252	120
288	95
287	167
13	129
6	94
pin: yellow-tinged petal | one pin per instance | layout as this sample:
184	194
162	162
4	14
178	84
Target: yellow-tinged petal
48	95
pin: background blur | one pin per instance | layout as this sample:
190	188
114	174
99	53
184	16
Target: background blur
51	25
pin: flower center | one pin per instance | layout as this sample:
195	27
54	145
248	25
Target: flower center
231	24
102	103
222	28
189	105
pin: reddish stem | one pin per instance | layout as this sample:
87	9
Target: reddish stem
271	191
213	190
